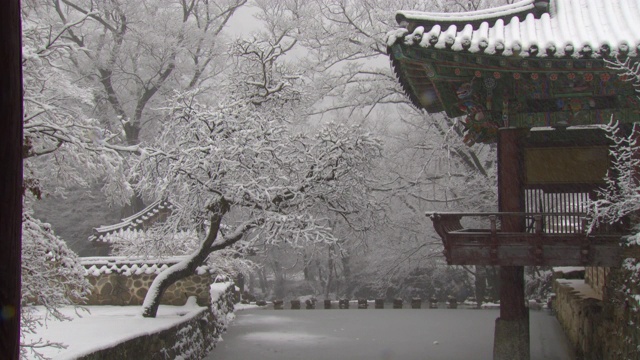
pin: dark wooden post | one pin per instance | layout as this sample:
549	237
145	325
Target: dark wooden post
278	304
511	339
295	304
363	304
416	303
379	303
10	178
397	303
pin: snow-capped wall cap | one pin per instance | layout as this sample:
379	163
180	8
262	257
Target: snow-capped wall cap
531	28
128	266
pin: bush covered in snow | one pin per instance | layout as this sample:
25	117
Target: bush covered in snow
51	276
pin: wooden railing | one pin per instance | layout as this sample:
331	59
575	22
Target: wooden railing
536	244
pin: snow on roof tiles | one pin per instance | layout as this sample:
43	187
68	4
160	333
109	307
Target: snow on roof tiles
132	222
505	10
128	266
529	28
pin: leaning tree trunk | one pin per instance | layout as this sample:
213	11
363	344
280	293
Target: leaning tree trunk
10	178
188	266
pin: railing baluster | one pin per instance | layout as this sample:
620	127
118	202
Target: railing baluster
538	222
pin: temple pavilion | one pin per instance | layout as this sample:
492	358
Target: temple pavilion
535	77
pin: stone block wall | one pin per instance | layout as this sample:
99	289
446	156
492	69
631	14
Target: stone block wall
599	322
580	312
120	281
119	289
596	277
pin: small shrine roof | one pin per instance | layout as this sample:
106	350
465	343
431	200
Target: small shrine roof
135	221
529	28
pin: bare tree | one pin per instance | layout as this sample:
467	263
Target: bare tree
132	53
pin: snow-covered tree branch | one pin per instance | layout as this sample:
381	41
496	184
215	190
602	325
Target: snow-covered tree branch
620	197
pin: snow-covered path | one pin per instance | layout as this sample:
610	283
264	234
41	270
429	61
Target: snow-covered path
433	334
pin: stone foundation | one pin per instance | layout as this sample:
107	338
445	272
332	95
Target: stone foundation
511	339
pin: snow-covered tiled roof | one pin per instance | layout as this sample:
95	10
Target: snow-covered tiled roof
529	28
128	266
135	221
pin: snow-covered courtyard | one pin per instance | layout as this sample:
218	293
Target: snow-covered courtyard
264	333
434	334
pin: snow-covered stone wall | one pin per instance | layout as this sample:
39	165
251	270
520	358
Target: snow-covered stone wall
192	339
579	310
120	281
600	322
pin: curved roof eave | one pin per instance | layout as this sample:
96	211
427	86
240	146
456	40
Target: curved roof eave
541	28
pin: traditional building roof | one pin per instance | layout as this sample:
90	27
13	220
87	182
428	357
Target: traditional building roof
157	210
532	63
530	28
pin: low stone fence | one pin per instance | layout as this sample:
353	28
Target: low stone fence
579	310
413	303
192	339
125	281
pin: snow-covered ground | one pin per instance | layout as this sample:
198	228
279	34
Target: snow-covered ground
434	334
104	326
313	334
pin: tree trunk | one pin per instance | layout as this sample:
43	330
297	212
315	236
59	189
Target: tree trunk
480	285
308	275
10	178
188	266
279	288
330	273
346	275
262	278
252	280
493	282
321	279
240	283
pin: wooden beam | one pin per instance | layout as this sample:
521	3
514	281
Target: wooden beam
10	178
608	255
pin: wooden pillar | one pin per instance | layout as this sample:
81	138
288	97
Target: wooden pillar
10	178
511	339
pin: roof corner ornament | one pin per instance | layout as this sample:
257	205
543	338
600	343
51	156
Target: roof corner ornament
542	6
